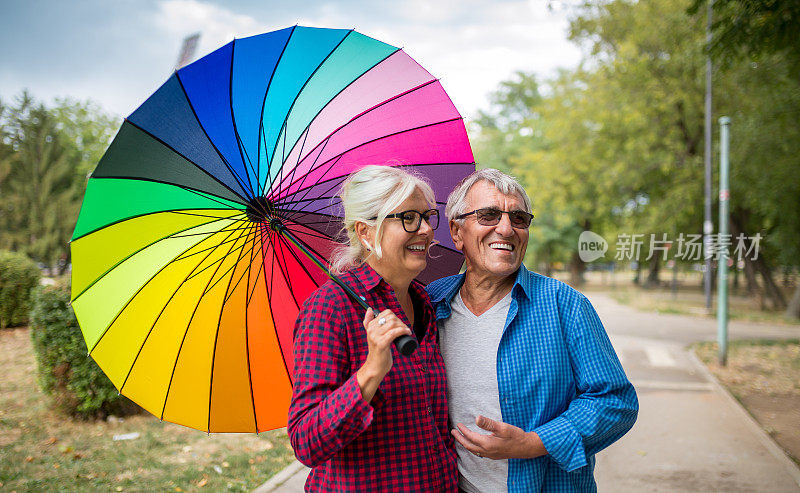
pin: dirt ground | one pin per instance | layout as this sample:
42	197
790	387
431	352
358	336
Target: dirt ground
765	377
41	450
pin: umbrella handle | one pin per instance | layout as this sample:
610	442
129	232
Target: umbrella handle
405	344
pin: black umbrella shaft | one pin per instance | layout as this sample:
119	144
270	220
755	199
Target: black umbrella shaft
405	344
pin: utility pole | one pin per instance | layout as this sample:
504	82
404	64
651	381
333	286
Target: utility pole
708	224
723	255
187	50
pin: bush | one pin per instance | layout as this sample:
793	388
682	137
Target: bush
74	381
18	276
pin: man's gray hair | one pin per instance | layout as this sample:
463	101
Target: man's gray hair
506	184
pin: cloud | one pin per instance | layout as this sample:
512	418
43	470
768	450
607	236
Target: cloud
217	25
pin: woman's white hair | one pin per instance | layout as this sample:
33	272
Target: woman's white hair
373	192
506	184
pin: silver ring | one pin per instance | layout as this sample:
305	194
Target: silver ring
381	321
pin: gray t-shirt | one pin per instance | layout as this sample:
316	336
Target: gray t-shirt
469	347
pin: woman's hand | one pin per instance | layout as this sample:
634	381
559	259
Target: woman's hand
381	332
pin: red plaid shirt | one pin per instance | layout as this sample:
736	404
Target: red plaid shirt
400	440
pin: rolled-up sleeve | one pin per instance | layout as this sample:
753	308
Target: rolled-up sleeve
606	405
327	411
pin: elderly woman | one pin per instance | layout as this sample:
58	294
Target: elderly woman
362	416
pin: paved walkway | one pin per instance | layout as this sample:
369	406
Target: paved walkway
691	435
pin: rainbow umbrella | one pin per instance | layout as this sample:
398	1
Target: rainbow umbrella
208	220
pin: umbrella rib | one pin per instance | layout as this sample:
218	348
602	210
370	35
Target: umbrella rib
263	104
185	333
211	247
242	224
330	166
269	301
134	296
137	251
241	250
340	155
415	165
291	107
218	261
302	203
302	146
214	353
313	164
143	215
363	113
260	267
209	216
308	127
189	160
247	333
224	161
252	249
296	257
316	234
242	151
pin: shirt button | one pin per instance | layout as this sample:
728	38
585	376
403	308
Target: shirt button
430	410
422	369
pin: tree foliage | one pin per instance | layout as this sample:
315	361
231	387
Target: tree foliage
45	156
616	145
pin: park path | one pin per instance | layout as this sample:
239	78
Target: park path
691	435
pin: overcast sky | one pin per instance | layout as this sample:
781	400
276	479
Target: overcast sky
118	52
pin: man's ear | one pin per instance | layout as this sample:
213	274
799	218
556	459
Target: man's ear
455	233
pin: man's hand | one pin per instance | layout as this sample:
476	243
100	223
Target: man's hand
505	441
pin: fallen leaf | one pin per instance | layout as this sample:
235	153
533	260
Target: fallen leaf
29	458
225	464
202	482
51	441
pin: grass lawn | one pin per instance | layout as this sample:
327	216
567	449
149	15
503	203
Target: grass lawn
41	450
765	377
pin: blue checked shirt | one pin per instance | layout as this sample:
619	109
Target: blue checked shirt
558	376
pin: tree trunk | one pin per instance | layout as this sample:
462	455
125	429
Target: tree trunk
793	310
652	275
576	269
771	293
772	290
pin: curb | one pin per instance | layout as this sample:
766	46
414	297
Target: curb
281	477
763	436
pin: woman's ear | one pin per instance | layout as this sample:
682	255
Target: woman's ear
365	235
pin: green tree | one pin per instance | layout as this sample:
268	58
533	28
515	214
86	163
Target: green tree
44	160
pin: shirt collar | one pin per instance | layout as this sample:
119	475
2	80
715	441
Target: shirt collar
369	279
367	276
523	278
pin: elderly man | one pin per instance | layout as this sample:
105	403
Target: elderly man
527	357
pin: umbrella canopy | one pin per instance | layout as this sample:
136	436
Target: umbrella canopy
185	295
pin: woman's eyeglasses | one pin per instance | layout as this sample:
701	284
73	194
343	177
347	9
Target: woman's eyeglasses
490	216
412	220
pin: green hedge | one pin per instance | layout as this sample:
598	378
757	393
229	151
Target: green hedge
18	276
76	384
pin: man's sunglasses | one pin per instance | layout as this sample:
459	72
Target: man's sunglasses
490	216
412	220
